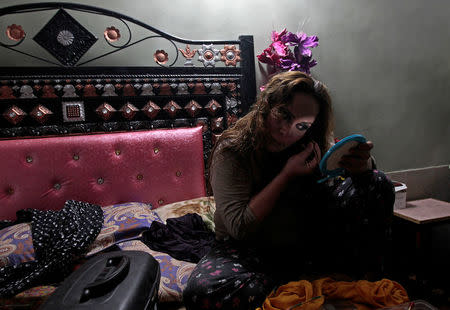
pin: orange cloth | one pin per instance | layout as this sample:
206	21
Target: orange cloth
290	294
363	294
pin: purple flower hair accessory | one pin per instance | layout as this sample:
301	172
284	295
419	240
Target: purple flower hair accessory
280	55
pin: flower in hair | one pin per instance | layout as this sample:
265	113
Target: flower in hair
280	55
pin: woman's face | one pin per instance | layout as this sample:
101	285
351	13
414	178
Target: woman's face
287	124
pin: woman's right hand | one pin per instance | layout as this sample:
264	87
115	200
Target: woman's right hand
303	163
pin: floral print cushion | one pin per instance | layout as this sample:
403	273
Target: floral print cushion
203	206
16	245
174	273
123	222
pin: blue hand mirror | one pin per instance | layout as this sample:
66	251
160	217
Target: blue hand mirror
329	165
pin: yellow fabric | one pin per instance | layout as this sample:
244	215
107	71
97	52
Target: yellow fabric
363	294
290	294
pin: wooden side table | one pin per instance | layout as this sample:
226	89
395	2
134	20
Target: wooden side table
425	211
420	217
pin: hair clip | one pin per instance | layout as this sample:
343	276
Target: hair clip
317	85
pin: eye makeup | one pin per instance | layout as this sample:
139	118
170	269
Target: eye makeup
303	126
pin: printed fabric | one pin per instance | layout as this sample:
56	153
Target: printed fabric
59	238
230	276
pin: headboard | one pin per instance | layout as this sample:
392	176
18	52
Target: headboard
52	114
153	166
191	82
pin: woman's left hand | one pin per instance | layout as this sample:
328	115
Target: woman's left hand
359	160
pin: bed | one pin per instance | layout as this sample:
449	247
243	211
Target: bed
134	140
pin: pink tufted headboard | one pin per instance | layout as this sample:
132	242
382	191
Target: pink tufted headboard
157	166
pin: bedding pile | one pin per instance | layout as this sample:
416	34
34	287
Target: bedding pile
45	246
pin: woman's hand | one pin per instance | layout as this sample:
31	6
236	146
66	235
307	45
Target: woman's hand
358	161
303	163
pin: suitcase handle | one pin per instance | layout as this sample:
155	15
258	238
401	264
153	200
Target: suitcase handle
114	272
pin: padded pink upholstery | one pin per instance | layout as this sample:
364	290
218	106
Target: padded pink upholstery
158	166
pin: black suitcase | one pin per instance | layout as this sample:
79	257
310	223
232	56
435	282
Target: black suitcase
116	280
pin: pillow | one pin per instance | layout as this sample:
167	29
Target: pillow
123	222
16	245
203	206
174	273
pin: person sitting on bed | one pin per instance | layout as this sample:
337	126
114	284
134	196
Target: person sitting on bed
274	221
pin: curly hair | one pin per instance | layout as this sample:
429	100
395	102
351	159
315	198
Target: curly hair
249	135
